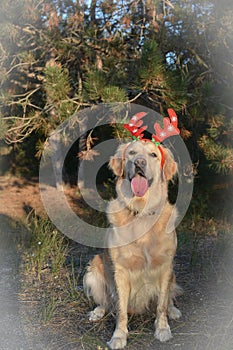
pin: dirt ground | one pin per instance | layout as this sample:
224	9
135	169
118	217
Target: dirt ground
18	196
205	274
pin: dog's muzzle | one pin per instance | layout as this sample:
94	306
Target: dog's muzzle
139	182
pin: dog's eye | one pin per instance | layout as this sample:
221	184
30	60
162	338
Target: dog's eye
154	155
132	152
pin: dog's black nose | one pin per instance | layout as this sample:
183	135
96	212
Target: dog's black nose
140	163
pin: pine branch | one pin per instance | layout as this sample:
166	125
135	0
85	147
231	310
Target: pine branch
220	157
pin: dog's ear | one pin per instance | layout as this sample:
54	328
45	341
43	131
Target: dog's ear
170	166
116	162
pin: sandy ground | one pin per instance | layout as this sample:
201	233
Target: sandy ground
19	196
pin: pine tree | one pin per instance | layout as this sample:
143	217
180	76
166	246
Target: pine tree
217	142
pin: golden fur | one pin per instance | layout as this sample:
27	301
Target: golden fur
136	270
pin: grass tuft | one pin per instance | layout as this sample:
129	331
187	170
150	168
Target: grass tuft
48	247
48	309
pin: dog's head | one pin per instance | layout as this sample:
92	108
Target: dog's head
140	164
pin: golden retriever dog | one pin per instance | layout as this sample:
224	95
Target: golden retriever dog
135	272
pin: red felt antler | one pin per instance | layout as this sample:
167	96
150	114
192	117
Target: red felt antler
134	125
170	127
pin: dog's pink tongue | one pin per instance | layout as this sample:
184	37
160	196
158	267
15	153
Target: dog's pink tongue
139	185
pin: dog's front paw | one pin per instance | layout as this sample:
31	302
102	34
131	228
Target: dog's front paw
118	341
163	334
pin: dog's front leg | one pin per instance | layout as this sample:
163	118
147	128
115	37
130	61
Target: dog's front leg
163	332
119	338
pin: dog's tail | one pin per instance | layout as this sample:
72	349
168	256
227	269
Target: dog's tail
94	282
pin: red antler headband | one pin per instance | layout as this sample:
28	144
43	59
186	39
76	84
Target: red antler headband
170	129
134	126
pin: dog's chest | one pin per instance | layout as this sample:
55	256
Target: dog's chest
144	255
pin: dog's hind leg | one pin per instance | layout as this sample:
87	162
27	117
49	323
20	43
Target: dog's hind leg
95	286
